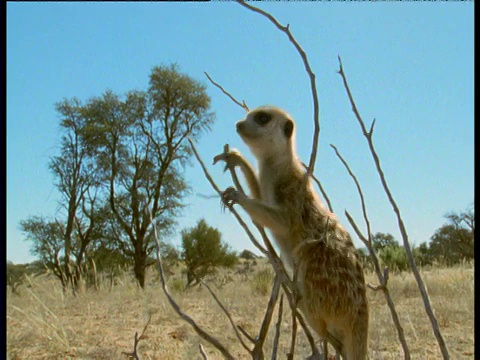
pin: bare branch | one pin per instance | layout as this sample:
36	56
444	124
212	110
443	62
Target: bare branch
303	55
232	210
204	335
271	254
228	316
368	243
262	335
296	298
321	189
401	225
241	104
202	351
383	285
277	329
137	339
370	133
246	334
362	199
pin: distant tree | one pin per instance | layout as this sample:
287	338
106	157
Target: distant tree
247	255
454	241
47	237
15	275
381	241
203	251
141	147
76	179
389	252
423	255
395	257
452	244
463	219
170	257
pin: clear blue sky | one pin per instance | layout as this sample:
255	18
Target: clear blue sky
410	66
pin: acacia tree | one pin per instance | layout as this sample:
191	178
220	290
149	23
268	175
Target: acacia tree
203	251
454	242
75	178
47	237
140	146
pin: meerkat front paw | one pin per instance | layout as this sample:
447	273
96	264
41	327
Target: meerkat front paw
231	196
232	158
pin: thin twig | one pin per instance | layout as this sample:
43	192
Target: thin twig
360	192
294	314
320	188
267	318
202	351
246	334
368	243
401	225
277	330
242	104
227	313
137	339
382	285
386	291
273	258
303	55
232	210
203	334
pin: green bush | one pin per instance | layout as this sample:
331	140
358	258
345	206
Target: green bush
203	251
395	257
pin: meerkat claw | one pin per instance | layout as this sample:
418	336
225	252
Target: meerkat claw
230	196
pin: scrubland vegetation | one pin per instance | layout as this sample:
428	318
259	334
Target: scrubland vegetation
44	322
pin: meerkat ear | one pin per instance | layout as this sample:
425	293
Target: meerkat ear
288	129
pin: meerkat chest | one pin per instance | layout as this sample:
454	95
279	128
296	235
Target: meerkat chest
267	189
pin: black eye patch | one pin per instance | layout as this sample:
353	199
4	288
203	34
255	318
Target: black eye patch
262	118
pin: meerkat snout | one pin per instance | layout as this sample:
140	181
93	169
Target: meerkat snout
240	125
288	129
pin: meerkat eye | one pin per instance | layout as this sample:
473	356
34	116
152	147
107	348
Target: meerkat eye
262	118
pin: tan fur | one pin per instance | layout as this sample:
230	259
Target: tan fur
312	241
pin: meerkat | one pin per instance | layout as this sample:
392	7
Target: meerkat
311	240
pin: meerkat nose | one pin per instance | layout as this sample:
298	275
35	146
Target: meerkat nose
239	125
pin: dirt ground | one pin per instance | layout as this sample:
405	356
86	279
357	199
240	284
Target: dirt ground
45	323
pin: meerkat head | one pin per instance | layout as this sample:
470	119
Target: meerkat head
268	131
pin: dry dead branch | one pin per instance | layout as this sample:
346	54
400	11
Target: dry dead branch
382	285
134	354
242	104
369	137
270	253
277	329
262	335
296	298
311	75
320	187
227	313
202	351
383	279
202	333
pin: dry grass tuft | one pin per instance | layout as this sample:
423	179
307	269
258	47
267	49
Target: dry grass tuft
44	323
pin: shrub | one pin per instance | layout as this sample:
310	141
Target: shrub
262	281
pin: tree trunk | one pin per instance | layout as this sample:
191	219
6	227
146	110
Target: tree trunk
139	267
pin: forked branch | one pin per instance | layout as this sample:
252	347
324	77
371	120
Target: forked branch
134	354
241	104
369	137
311	75
202	333
383	279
